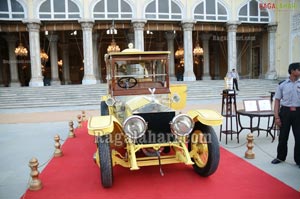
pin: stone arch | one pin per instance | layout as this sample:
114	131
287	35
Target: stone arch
49	14
16	10
173	13
244	15
218	15
103	13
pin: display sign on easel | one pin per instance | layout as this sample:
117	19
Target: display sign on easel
257	105
250	105
264	105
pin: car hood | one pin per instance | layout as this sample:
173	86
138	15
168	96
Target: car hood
152	107
146	105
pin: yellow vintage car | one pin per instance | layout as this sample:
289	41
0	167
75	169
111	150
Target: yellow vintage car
140	123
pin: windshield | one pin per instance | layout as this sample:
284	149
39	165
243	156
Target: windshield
151	70
135	74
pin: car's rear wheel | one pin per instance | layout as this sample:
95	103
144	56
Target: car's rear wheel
106	168
204	142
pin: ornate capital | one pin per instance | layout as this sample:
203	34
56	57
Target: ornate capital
86	24
187	26
33	27
52	37
205	37
232	26
138	25
170	35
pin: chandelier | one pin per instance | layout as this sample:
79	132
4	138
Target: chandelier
179	53
60	62
198	50
113	47
112	30
21	50
44	56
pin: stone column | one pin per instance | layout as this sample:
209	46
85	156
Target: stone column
189	74
138	27
95	57
271	74
217	60
35	59
170	36
53	56
11	40
231	45
205	42
1	64
65	59
89	75
66	63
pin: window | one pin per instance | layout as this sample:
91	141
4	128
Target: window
112	9
59	9
251	12
210	10
163	9
11	9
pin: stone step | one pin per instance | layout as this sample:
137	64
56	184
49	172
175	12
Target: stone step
81	95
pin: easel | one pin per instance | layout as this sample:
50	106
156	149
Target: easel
228	110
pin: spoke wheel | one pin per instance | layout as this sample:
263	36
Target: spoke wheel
106	169
206	152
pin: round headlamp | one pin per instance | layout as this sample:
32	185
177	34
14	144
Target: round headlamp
110	101
134	127
182	125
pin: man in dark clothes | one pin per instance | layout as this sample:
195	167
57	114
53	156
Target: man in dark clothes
287	113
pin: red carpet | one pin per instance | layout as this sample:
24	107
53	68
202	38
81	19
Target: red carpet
76	176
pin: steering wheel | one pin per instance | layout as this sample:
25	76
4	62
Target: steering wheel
127	82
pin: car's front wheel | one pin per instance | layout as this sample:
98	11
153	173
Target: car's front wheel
205	149
106	169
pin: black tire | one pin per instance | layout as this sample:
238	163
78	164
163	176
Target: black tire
205	141
103	108
106	169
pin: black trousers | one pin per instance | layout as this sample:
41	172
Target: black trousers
289	118
235	84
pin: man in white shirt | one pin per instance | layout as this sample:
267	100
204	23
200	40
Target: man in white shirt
235	76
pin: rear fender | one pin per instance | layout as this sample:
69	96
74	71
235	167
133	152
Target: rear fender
207	117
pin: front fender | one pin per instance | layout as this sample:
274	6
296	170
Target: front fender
102	125
207	117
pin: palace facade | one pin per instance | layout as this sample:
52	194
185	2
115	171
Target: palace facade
53	42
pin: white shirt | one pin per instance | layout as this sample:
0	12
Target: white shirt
234	74
289	93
